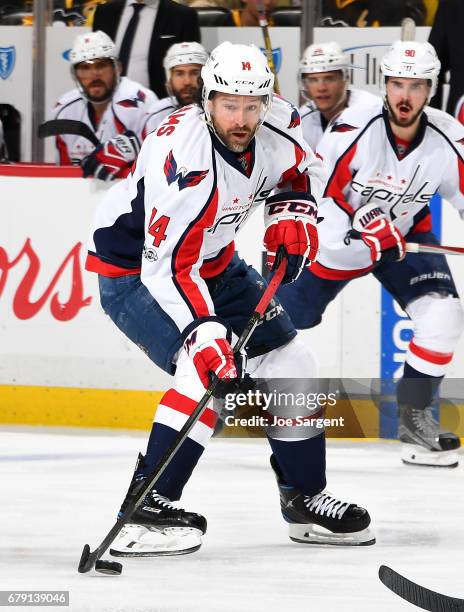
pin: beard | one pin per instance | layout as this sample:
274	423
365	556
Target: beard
188	95
406	122
106	94
230	141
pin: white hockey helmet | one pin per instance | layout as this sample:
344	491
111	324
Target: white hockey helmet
184	53
90	46
323	57
240	70
411	60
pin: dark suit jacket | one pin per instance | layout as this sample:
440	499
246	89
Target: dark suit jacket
172	18
447	36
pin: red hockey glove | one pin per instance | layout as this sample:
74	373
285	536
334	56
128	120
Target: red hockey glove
113	158
209	348
290	219
383	238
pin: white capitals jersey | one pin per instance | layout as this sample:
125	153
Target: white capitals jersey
314	123
368	165
126	111
156	114
176	215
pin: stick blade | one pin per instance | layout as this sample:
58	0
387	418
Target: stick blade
57	127
87	560
418	595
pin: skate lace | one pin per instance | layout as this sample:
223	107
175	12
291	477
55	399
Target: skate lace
424	421
326	504
164	502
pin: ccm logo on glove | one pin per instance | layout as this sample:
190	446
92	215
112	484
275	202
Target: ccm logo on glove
290	219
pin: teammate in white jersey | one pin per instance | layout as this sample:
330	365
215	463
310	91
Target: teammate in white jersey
163	245
385	167
112	107
182	65
324	82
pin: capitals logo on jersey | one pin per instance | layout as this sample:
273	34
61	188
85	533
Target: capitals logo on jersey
295	119
342	127
133	102
183	178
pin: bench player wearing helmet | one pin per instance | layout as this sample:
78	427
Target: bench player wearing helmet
113	107
385	166
182	66
324	82
163	245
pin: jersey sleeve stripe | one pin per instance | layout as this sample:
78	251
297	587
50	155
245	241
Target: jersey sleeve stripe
341	176
299	181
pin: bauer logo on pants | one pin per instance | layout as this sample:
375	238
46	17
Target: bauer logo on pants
7	61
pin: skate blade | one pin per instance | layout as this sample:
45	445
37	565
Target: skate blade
412	454
315	534
140	541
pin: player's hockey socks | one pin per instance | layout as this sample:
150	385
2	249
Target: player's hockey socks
384	240
113	158
290	219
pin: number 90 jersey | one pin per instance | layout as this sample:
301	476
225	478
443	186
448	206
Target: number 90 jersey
366	164
174	219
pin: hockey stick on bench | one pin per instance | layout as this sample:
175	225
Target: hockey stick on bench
60	127
418	595
263	24
90	559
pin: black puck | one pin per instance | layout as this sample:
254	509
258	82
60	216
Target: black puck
112	568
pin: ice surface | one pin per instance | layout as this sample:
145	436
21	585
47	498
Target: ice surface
62	489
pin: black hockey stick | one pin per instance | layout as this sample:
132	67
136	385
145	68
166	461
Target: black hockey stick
418	595
90	559
59	127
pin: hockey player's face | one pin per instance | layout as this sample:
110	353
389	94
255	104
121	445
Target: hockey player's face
406	99
98	79
185	83
235	119
326	89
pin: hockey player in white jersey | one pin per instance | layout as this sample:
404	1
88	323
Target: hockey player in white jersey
113	107
324	82
163	246
182	65
384	169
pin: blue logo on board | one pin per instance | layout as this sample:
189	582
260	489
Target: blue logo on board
7	61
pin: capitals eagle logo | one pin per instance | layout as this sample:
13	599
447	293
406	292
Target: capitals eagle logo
342	127
295	120
133	102
183	178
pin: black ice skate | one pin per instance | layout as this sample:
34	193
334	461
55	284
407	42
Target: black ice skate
423	441
157	527
322	519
